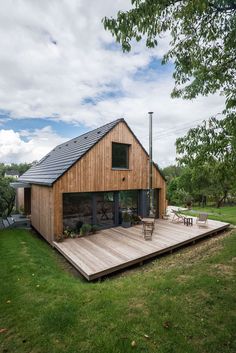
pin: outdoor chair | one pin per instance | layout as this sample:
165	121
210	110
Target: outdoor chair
202	219
148	227
177	217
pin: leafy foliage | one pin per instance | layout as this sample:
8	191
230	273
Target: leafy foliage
202	44
7	193
209	151
7	196
85	229
171	172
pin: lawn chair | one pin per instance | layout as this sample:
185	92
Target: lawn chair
177	217
202	220
148	227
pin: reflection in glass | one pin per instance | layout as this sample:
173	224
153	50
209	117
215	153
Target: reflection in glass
77	209
105	209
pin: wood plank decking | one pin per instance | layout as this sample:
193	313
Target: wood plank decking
116	248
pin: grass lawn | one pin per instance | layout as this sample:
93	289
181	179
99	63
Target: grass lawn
224	214
180	303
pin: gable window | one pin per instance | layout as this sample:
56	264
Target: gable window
120	155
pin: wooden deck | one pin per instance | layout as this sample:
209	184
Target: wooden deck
116	248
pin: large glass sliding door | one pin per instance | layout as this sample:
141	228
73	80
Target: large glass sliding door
105	209
128	202
77	209
156	202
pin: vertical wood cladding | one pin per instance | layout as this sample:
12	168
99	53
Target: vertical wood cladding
42	211
94	173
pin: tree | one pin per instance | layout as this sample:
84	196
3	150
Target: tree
209	150
171	172
175	195
202	45
21	168
2	169
7	196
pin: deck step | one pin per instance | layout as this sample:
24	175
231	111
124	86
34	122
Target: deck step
10	220
25	223
5	223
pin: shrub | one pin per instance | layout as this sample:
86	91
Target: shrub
85	229
94	228
78	226
69	233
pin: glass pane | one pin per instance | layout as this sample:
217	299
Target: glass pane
120	155
77	210
128	202
105	209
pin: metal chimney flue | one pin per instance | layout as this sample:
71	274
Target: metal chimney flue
151	208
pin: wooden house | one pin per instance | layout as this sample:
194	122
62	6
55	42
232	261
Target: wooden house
93	178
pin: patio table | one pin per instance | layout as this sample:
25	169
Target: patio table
188	221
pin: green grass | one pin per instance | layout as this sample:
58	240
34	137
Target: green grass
183	303
225	214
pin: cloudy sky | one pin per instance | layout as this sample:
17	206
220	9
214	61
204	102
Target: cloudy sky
61	74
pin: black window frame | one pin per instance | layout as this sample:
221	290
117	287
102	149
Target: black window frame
127	156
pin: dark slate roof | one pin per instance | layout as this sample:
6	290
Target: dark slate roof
62	157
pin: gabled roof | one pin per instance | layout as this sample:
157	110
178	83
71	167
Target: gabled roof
62	157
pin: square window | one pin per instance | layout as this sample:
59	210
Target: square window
120	155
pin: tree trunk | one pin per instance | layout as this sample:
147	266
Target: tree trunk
219	203
203	201
10	206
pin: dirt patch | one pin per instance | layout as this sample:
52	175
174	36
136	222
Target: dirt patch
181	258
137	307
183	278
225	270
194	253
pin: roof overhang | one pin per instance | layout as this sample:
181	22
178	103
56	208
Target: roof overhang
20	184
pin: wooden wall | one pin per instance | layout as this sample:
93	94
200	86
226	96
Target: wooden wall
94	173
20	199
42	211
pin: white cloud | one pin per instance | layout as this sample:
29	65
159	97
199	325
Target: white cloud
14	148
55	54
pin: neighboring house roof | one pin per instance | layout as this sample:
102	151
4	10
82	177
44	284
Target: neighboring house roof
12	173
64	156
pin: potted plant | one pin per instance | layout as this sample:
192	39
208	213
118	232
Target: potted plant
126	220
85	229
135	219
